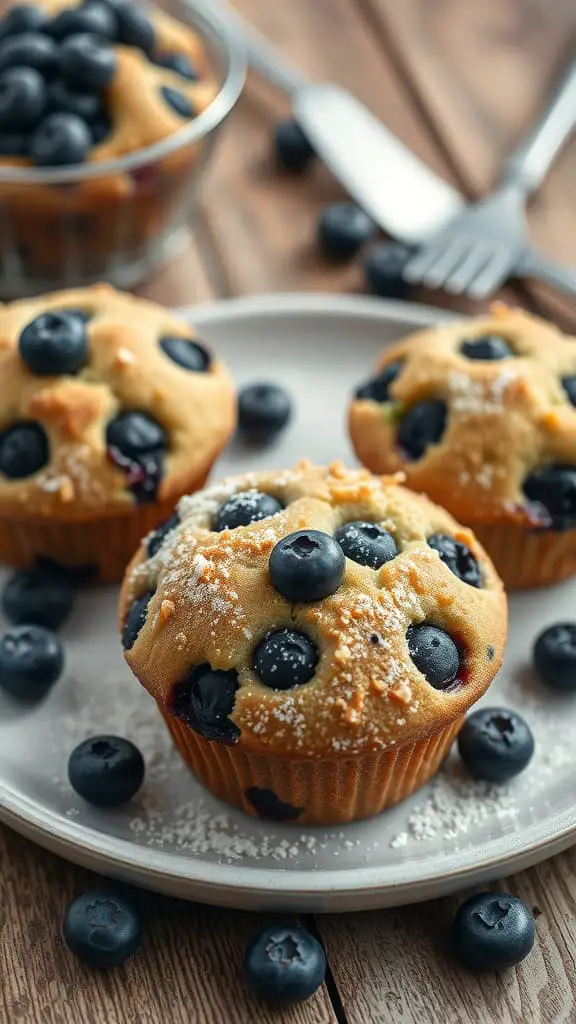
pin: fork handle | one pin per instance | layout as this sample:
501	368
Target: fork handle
528	165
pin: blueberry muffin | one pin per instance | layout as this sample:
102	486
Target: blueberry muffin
313	638
110	409
481	416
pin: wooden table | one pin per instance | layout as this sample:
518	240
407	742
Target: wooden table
459	81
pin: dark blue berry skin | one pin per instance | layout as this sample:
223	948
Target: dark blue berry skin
87	62
54	343
383	269
553	491
263	412
366	543
495	744
135	433
62	99
31	660
22	18
179	63
62	140
435	654
135	619
157	539
96	18
43	596
284	659
29	50
101	927
188	354
555	657
24	450
293	151
284	965
244	508
13	145
205	700
458	557
489	348
378	388
22	99
307	565
492	931
421	426
177	101
100	129
343	228
134	28
569	385
268	806
106	770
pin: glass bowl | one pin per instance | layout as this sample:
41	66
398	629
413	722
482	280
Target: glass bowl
116	220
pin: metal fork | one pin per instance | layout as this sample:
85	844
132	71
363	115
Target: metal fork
481	245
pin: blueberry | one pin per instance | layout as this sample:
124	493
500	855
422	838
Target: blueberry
569	385
378	388
101	927
87	62
22	99
143	472
244	508
43	596
307	565
366	543
106	770
434	653
157	539
489	347
177	101
60	141
458	557
54	343
285	658
135	619
95	18
293	151
31	660
555	657
553	490
268	806
263	411
205	700
191	355
100	129
135	433
22	18
29	50
383	269
492	930
134	28
495	744
342	229
64	100
179	63
13	145
284	965
24	450
421	426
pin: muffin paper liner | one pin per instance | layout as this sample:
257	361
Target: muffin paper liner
526	558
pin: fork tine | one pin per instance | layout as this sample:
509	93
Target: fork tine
469	269
491	276
423	260
451	256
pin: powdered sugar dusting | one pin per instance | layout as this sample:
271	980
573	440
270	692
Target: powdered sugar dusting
478	397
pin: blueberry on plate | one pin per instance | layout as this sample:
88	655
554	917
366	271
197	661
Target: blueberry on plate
101	927
96	18
489	348
244	508
134	28
263	411
377	389
179	63
343	228
458	557
205	700
307	565
24	450
421	426
87	62
156	539
60	141
62	99
553	490
284	965
29	50
22	18
106	770
31	660
22	99
135	619
43	596
495	744
434	653
555	657
292	149
186	352
54	343
366	543
179	103
383	269
284	659
492	930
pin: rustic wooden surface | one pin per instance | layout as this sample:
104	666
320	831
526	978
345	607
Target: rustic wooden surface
458	81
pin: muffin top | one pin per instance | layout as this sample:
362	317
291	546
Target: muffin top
313	612
480	415
105	400
94	82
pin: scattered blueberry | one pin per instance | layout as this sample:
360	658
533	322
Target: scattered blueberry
135	619
553	490
189	354
284	965
31	660
205	700
307	565
13	145
43	596
179	63
383	269
60	141
178	101
343	229
106	770
366	543
62	99
293	151
489	347
378	388
263	411
285	658
22	18
87	62
244	508
421	426
268	806
29	50
134	28
22	99
24	449
495	744
458	557
434	653
157	539
569	385
101	927
555	657
94	18
492	930
54	343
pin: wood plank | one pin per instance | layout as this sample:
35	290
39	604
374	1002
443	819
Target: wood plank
185	279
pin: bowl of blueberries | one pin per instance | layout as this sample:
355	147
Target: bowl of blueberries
108	114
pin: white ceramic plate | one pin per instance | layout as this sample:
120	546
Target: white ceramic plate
176	838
